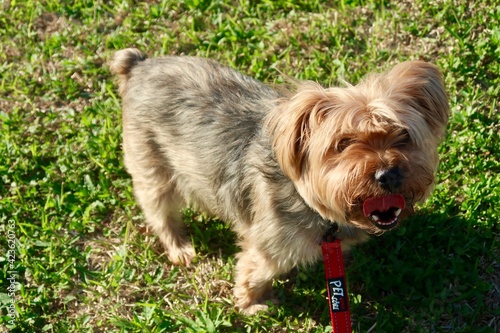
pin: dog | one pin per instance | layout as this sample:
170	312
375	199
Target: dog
281	166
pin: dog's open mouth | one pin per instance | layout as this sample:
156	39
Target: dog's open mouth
384	211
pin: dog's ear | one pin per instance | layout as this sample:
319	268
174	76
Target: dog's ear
420	84
291	123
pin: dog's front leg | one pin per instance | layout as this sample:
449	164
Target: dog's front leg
255	271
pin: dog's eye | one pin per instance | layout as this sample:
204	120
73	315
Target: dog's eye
404	139
343	144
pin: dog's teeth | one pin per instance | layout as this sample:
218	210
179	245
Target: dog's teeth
396	213
375	218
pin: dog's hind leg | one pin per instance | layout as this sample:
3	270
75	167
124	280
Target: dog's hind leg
155	191
162	211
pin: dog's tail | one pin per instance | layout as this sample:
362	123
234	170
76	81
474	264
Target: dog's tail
123	62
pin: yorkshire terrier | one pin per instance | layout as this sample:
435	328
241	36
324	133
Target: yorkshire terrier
281	167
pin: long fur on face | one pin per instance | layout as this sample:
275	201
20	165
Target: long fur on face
279	168
332	141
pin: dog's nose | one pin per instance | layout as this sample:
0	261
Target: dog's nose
389	179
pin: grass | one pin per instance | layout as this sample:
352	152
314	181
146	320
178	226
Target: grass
84	261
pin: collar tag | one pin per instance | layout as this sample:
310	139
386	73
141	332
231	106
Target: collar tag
336	286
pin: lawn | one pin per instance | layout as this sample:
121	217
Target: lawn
75	254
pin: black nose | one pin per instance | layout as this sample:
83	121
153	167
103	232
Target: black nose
390	179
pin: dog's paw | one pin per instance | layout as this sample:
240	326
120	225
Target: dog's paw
182	255
254	308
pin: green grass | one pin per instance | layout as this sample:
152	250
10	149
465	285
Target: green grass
83	260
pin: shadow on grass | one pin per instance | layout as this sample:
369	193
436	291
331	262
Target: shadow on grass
434	273
210	236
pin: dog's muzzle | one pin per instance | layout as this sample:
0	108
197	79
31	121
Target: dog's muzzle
390	179
384	211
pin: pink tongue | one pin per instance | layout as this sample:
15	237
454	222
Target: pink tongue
383	204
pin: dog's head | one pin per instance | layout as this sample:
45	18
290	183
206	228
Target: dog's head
366	153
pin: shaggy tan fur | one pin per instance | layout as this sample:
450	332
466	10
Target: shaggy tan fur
280	168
